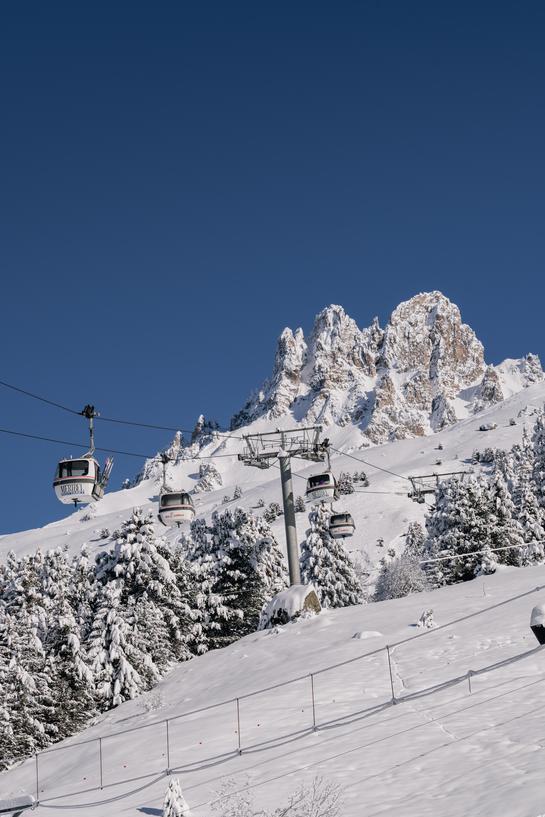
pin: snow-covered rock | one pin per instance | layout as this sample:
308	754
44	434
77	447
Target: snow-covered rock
289	605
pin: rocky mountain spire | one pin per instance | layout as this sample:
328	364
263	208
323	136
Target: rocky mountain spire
425	370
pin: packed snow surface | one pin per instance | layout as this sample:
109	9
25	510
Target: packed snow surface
439	750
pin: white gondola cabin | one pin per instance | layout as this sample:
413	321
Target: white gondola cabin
78	481
321	488
341	525
175	507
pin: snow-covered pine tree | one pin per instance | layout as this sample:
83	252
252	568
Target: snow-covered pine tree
538	469
119	666
140	564
74	683
236	568
175	804
28	685
530	519
414	541
504	528
82	592
272	511
458	526
300	506
326	564
504	464
265	555
237	493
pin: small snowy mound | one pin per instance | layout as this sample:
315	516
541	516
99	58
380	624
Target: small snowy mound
290	604
426	621
363	634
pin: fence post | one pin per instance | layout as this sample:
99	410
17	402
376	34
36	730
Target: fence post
37	780
100	759
314	727
168	749
391	676
469	674
238	727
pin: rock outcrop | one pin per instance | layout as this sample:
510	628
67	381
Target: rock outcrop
423	371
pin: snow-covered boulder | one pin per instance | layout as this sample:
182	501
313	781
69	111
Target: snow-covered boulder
289	605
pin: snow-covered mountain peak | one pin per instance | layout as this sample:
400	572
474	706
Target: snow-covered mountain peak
424	371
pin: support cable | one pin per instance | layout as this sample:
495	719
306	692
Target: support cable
370	464
106	419
105	450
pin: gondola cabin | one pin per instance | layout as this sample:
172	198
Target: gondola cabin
321	488
78	481
341	525
175	507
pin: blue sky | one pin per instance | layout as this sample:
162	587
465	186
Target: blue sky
179	181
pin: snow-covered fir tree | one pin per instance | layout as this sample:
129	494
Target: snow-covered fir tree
300	506
239	567
538	469
457	527
272	511
118	663
504	528
414	541
326	564
175	804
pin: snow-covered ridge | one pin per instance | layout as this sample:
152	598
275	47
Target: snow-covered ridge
424	371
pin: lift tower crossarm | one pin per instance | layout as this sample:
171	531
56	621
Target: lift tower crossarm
260	452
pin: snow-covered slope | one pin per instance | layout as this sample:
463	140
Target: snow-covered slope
440	750
438	753
381	511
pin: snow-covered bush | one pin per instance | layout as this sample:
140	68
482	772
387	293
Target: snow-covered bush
399	577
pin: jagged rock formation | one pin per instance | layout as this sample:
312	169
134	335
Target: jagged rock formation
489	390
424	371
209	478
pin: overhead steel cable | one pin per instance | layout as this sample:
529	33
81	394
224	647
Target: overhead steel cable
37	397
370	464
107	419
355	491
104	450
